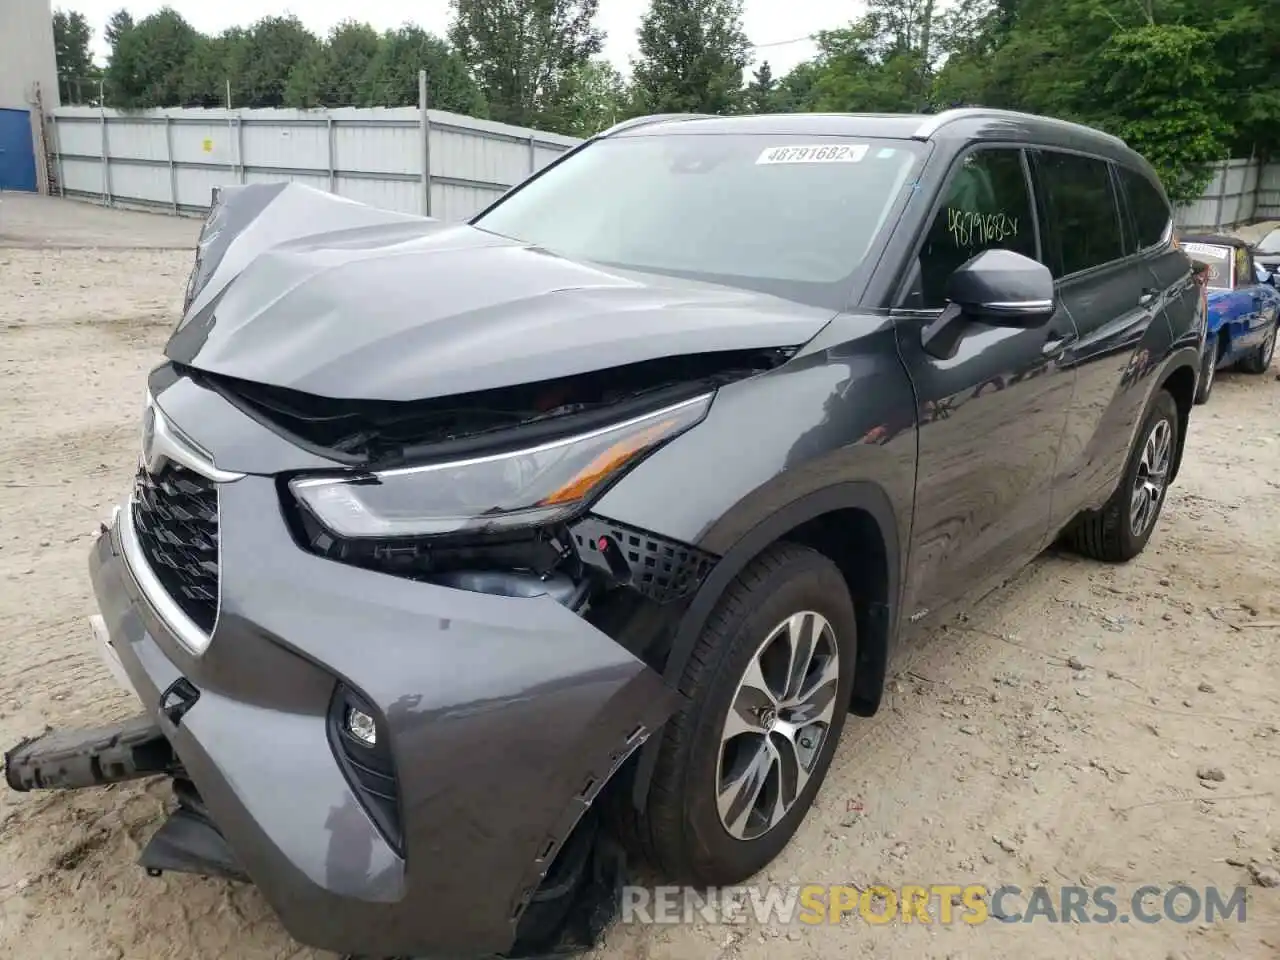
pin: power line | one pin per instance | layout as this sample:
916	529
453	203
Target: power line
784	43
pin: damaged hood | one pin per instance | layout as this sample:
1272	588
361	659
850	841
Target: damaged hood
297	288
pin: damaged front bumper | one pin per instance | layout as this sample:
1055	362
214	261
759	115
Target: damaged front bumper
503	717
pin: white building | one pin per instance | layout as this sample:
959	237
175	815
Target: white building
27	64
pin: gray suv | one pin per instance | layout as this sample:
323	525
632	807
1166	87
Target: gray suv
483	556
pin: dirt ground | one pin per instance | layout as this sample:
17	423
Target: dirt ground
1054	736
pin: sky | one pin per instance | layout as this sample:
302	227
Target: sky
770	24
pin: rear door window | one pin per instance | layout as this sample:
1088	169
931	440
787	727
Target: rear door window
987	204
1151	215
1082	209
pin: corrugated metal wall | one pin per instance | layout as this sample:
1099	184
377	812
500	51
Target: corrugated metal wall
1230	199
174	158
26	54
1268	207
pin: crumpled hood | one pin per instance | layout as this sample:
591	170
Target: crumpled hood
314	293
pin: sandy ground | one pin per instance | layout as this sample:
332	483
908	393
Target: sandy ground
1054	736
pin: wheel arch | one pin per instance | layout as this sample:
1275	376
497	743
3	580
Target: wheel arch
854	525
1180	382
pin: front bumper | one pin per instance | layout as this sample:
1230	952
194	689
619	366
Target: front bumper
505	717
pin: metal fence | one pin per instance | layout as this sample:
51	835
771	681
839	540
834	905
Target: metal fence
1241	191
404	158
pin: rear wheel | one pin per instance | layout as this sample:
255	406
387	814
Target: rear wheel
1120	530
1260	360
1208	370
769	684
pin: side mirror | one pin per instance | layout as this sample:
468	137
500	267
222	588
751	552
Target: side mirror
997	287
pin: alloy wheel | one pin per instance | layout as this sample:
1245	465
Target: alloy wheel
776	725
1268	349
1152	478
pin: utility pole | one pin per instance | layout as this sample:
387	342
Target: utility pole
424	122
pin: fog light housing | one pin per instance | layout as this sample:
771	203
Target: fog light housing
361	726
362	747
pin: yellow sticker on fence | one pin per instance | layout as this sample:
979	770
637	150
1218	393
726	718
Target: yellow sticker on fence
207	146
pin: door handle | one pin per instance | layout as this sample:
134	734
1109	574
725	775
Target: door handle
1148	297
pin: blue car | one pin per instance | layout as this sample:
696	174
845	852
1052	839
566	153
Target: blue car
1243	306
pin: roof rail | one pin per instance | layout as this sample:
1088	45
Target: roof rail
939	120
652	118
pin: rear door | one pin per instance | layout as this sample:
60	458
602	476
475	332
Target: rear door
991	416
1151	239
1113	299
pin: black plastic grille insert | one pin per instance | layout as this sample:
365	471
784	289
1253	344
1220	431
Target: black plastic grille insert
175	514
659	568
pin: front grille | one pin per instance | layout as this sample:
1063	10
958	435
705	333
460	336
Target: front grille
175	514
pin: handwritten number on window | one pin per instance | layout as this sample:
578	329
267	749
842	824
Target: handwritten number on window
970	229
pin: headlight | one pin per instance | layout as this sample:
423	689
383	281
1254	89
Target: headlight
521	488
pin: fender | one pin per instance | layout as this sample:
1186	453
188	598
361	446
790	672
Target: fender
878	621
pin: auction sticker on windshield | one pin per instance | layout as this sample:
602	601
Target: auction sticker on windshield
821	153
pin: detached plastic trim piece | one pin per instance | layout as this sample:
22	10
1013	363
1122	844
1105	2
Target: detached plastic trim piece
71	759
189	843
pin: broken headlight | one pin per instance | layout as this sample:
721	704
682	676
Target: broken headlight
521	488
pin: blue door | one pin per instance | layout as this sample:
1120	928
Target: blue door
17	154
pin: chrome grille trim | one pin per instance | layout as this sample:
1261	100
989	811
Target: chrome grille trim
162	442
183	627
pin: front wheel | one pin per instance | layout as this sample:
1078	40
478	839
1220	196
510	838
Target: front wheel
1260	360
1120	530
769	685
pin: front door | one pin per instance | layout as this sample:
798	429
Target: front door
991	417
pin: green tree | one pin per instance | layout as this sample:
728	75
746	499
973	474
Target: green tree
71	39
118	24
1160	87
332	74
761	91
262	61
883	61
795	93
210	67
524	53
861	70
595	96
1151	71
392	78
147	61
692	57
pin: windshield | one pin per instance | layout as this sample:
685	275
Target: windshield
793	216
1270	243
1218	259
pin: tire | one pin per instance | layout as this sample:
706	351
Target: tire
1114	533
1208	371
1259	361
682	832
